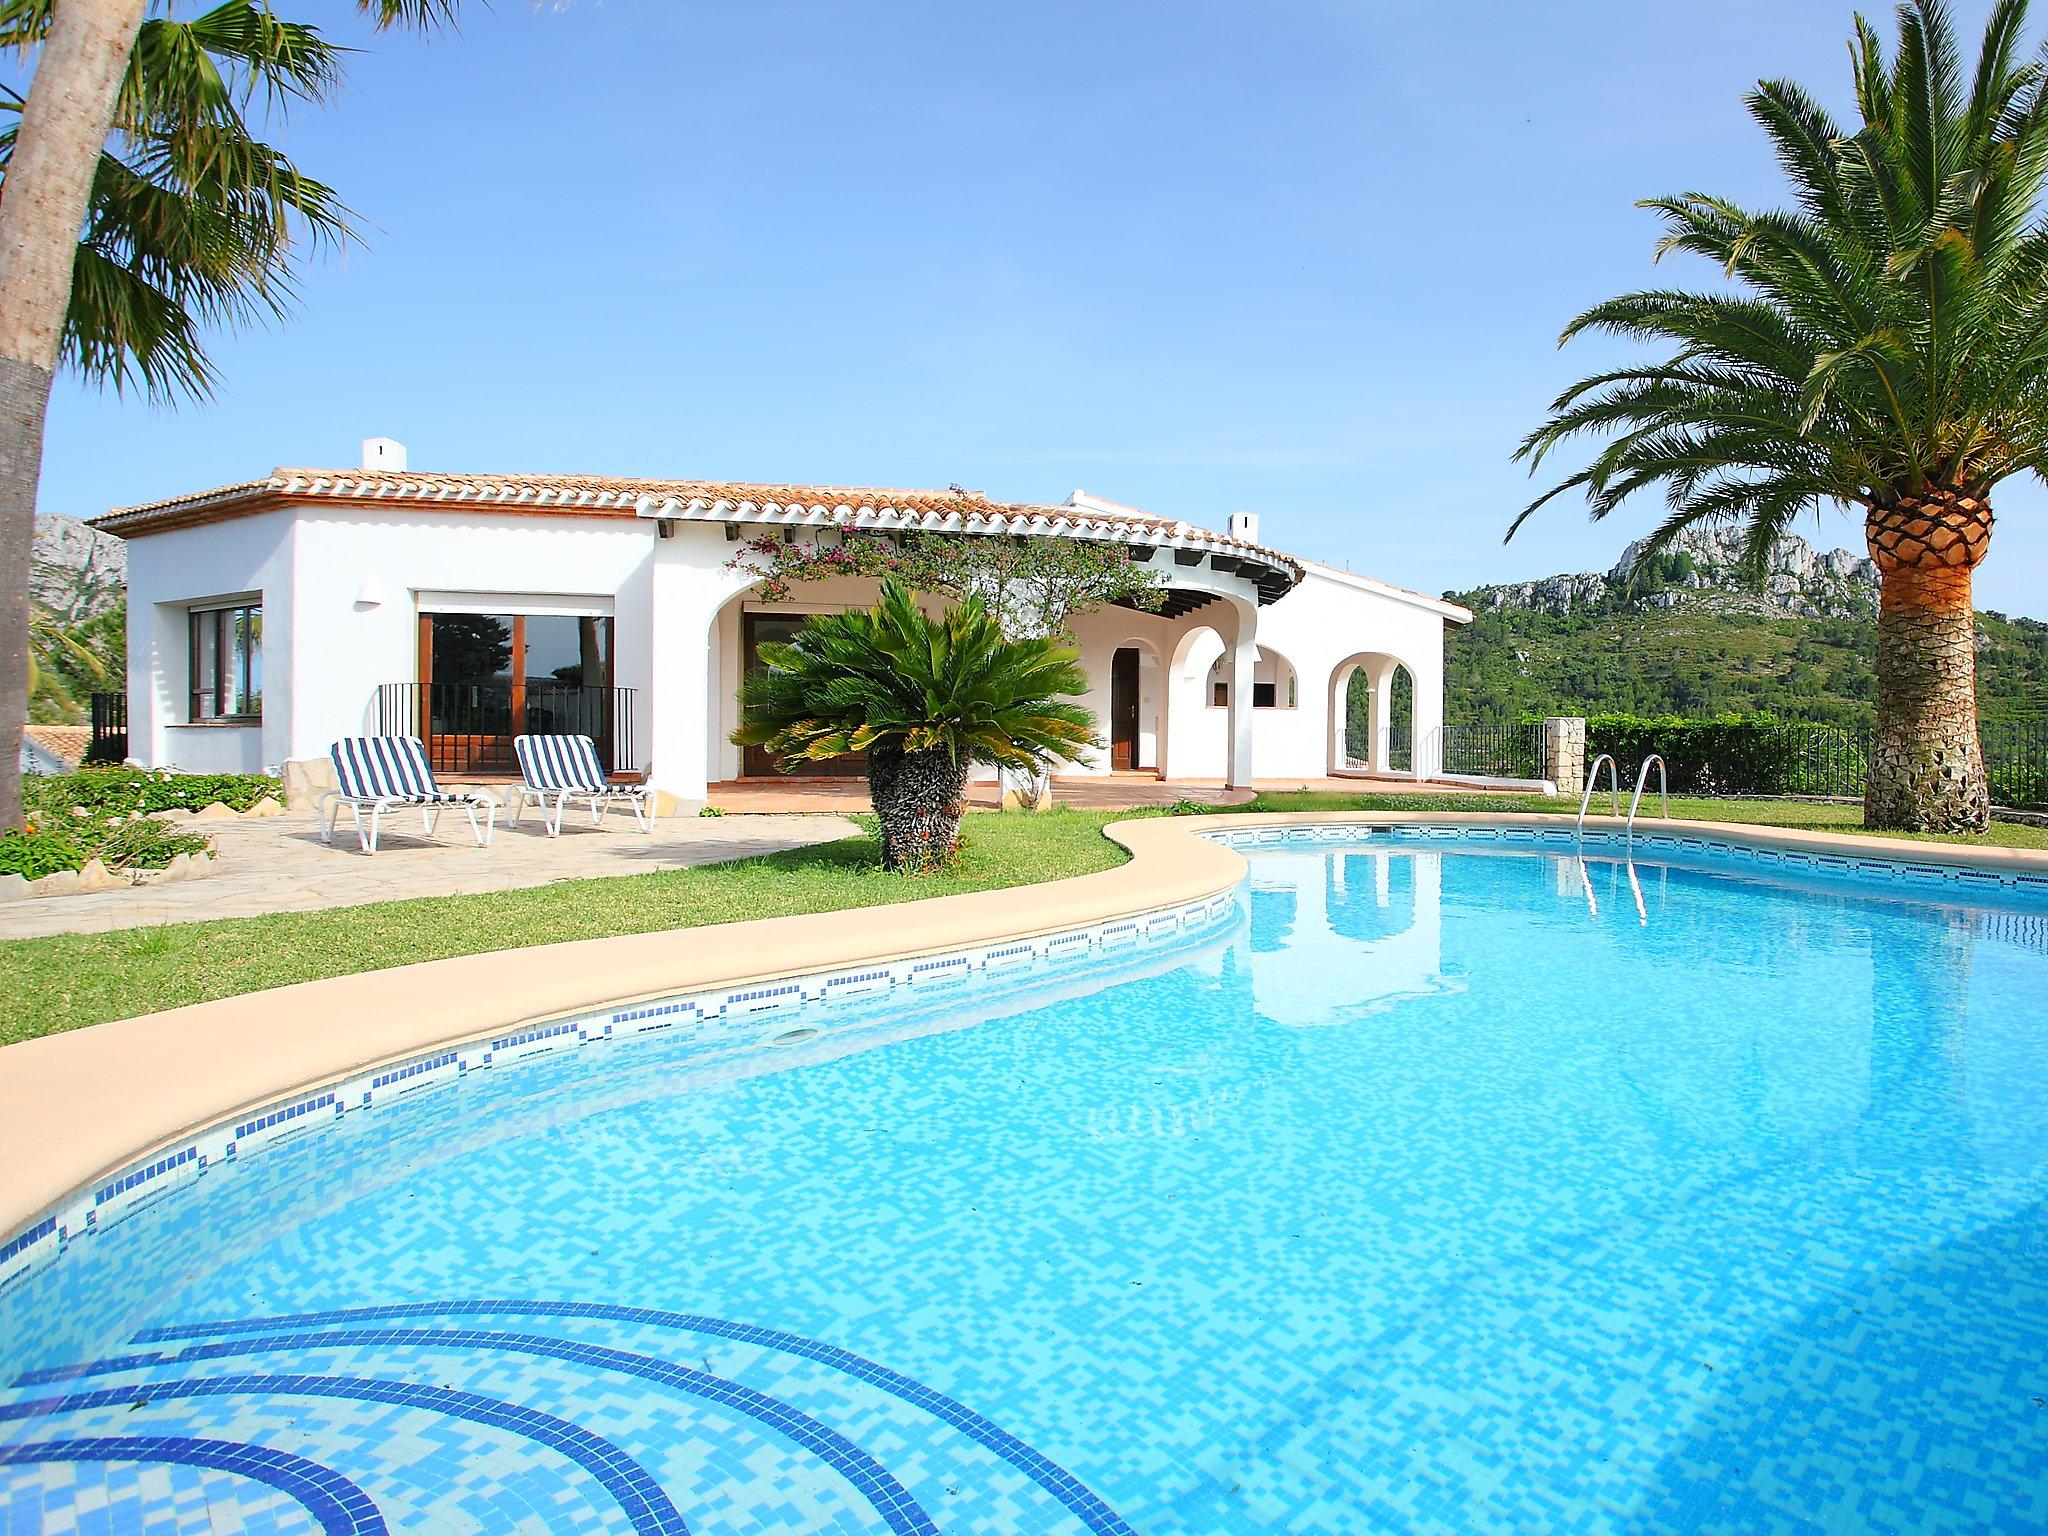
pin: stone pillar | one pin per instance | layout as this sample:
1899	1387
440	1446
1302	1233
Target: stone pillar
1564	752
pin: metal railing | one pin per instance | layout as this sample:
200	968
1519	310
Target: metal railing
1796	758
468	727
1635	801
1494	749
2016	761
1592	783
109	729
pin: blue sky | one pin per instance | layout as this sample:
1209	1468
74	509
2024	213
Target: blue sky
1309	259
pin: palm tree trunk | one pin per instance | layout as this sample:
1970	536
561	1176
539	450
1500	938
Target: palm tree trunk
1926	764
63	128
919	798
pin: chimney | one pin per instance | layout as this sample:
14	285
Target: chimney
1243	525
384	453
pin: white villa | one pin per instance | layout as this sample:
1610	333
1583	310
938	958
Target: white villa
267	619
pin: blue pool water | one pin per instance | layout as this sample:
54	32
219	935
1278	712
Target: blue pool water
1447	1189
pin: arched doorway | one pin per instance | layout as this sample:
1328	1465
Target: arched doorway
1372	715
1137	703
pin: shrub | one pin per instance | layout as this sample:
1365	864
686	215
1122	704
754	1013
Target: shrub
120	791
147	844
1757	755
33	854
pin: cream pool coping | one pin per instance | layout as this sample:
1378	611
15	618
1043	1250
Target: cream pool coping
79	1106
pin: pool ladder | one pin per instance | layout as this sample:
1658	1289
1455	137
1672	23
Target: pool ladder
1614	792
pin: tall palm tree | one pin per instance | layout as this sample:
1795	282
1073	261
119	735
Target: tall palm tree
170	94
925	699
1882	348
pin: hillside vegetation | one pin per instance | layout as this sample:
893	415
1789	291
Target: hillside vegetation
1687	634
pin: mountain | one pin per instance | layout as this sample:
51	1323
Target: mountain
78	581
76	572
1682	633
1701	569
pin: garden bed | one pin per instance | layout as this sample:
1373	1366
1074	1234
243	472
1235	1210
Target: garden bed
103	827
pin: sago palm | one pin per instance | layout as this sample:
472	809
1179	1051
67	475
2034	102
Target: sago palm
925	698
1881	349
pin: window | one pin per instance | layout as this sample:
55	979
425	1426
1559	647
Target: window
1221	695
1263	696
227	663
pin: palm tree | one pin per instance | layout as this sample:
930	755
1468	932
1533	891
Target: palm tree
189	226
925	699
1883	349
53	652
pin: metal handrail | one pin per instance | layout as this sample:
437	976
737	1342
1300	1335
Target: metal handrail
1593	782
1663	793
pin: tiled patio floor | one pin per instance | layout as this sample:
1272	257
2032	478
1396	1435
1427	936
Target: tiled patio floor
280	865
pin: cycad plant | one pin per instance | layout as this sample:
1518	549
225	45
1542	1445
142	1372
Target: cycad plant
925	698
1881	348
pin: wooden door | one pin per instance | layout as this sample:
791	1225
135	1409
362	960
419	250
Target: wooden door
760	629
1123	708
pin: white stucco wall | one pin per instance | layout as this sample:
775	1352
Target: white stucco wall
342	589
341	603
169	573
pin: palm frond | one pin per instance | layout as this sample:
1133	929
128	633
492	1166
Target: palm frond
1885	333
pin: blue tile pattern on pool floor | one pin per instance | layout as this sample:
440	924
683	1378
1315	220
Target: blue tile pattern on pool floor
1466	1185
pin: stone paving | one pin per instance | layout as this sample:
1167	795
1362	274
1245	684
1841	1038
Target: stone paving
279	864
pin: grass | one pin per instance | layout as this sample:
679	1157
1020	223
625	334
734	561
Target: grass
80	979
77	979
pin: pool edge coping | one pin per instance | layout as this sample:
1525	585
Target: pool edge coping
80	1107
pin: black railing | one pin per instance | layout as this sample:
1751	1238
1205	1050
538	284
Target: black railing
1801	759
2016	761
468	727
109	729
1494	749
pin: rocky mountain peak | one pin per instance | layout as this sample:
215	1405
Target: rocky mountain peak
1701	568
76	572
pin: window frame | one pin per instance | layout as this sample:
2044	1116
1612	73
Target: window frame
226	620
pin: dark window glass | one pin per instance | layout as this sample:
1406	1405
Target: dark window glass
226	661
472	648
1263	696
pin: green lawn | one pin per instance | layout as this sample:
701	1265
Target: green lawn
70	980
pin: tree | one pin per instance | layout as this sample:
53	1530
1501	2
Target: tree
1882	348
1033	587
926	699
113	262
61	658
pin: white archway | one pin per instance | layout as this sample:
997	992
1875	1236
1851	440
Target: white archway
1275	682
1384	740
1142	736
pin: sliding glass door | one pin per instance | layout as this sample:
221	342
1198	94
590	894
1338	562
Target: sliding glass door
485	678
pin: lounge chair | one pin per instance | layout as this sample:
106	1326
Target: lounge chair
389	773
554	770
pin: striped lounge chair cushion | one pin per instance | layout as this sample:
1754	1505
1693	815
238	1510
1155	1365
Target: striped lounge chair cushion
560	762
387	768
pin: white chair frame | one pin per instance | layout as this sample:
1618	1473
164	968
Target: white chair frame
430	815
553	802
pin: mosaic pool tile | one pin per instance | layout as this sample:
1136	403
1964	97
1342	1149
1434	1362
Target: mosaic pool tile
1418	1187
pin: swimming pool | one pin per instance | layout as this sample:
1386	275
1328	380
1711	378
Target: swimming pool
1445	1182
